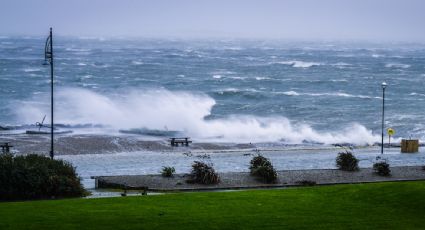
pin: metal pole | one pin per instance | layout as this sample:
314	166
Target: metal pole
51	101
383	115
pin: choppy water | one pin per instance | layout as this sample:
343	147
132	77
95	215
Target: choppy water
248	91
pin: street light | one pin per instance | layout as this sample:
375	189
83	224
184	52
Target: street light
48	59
384	85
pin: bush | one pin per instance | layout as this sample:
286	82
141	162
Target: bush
168	171
262	168
259	161
382	168
37	177
203	173
346	161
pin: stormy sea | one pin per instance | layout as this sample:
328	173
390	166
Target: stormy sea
227	94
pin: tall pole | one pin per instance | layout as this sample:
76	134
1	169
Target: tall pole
384	85
51	101
48	58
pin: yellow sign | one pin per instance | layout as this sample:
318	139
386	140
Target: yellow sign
390	131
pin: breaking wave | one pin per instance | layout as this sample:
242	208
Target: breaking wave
337	94
300	64
185	112
397	65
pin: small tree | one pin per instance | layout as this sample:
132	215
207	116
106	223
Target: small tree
382	168
168	171
203	173
262	168
346	161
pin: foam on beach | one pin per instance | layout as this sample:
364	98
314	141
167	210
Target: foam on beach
185	112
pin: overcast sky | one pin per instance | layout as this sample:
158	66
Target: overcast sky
391	20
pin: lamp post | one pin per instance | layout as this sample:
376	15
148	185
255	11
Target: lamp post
384	85
48	58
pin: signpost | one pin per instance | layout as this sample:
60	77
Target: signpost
390	133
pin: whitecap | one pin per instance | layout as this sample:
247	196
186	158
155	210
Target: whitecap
86	76
81	64
231	90
217	76
77	50
27	70
238	78
417	94
397	65
337	94
377	55
261	78
291	93
137	62
341	64
300	64
339	80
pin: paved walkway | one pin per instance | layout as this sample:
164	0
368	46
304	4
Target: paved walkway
244	180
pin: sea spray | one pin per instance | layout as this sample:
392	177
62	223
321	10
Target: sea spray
182	111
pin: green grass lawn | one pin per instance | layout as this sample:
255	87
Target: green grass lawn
391	205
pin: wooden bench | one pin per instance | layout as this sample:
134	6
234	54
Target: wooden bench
175	141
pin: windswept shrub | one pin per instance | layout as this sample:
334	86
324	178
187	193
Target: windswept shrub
382	168
37	177
259	161
168	171
346	161
203	173
262	168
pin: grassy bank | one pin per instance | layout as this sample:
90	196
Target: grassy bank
391	205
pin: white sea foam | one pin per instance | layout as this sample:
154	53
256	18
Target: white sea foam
300	64
156	109
81	64
339	80
217	76
28	70
377	55
397	65
77	50
86	76
261	78
137	62
417	94
341	65
229	90
238	78
290	93
333	94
